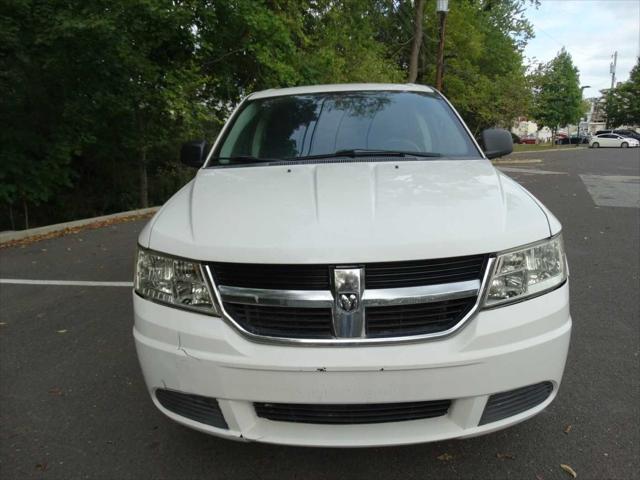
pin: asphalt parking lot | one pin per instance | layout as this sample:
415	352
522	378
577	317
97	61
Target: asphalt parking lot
73	402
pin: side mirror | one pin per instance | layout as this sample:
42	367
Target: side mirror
496	142
194	153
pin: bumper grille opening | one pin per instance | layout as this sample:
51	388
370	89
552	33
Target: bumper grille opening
351	414
418	319
194	407
282	321
510	403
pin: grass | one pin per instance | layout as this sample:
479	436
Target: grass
525	147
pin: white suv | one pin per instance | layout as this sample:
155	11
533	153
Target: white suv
347	268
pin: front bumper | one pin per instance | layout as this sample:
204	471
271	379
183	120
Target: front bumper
498	350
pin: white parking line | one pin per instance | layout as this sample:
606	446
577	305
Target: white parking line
613	190
530	170
20	281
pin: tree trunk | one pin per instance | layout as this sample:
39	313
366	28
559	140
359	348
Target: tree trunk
144	183
442	21
25	208
417	41
11	219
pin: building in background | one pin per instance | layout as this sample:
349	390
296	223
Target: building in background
596	119
527	129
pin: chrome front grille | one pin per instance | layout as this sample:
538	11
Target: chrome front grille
424	272
273	321
352	303
379	275
272	277
417	319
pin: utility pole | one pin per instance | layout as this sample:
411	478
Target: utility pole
442	7
417	41
612	69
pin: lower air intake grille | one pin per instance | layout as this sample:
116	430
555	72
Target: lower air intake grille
507	404
418	319
194	407
282	321
349	414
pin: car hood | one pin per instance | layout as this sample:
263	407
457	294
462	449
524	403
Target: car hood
347	212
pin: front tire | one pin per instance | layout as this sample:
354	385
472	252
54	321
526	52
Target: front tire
624	145
595	145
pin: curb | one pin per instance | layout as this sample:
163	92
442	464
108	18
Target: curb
567	149
76	224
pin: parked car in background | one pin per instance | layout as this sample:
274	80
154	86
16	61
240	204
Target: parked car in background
623	132
572	140
529	139
516	139
613	140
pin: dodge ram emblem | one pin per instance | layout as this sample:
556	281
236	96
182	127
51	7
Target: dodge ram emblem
348	310
348	302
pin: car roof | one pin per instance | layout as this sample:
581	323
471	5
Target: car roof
343	87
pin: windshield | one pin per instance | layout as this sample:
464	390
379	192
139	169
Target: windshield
315	125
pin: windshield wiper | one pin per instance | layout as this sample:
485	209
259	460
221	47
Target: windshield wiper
349	153
243	159
361	152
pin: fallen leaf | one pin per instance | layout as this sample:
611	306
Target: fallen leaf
567	429
43	467
445	457
569	470
505	456
64	330
3	324
56	391
539	477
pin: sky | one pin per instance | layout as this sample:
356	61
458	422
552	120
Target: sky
590	30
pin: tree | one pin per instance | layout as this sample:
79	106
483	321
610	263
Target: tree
484	75
557	94
37	139
622	104
99	94
92	88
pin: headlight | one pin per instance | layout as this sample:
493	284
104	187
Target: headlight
526	272
174	281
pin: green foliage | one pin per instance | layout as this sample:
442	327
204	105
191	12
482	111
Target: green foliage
622	104
557	94
94	88
98	95
484	75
